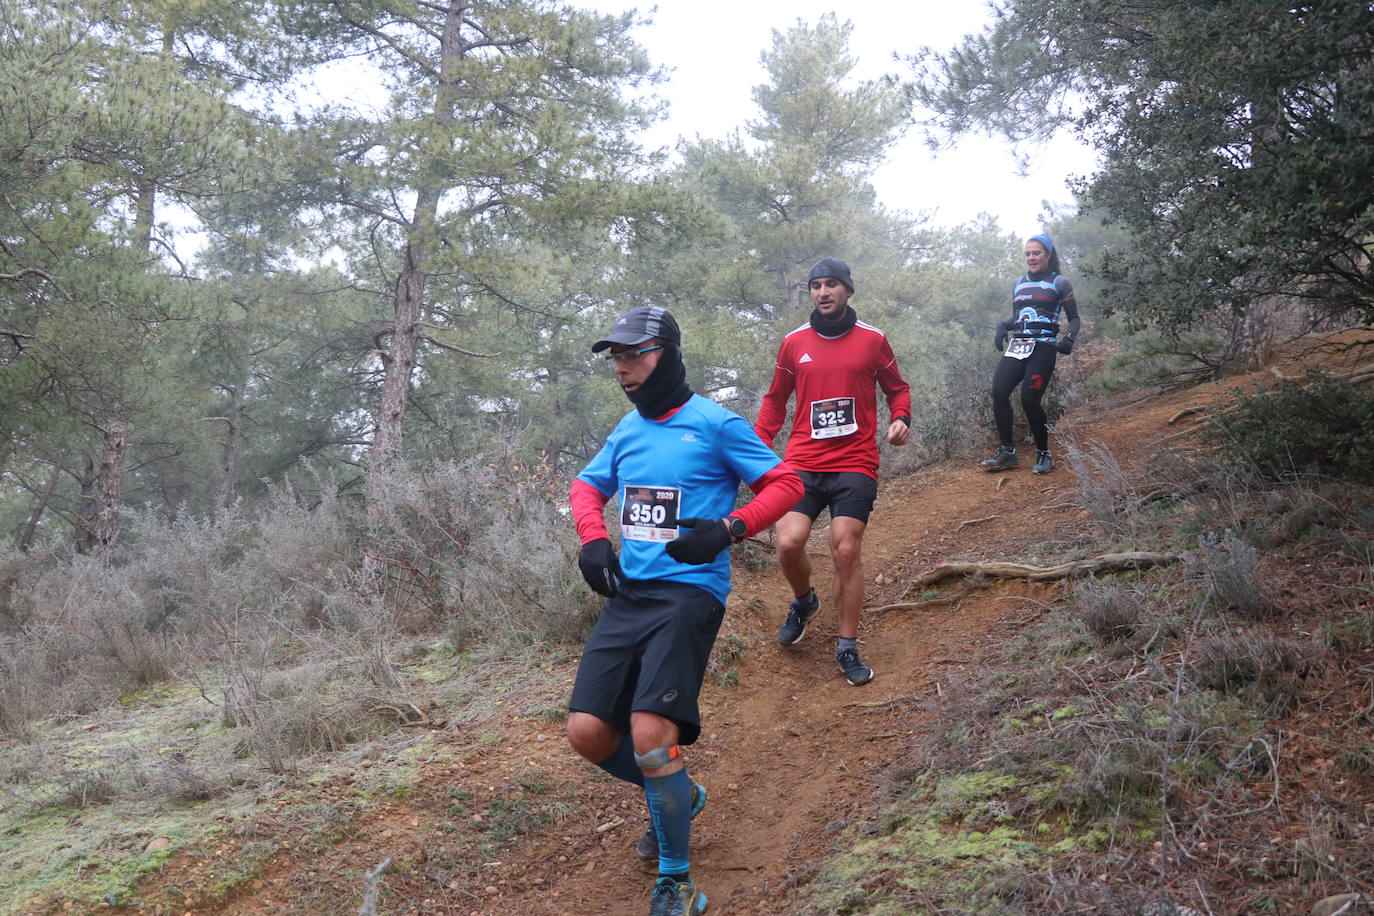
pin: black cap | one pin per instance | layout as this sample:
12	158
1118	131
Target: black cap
831	267
640	324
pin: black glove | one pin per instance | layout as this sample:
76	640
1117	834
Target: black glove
1000	342
1065	345
600	567
707	537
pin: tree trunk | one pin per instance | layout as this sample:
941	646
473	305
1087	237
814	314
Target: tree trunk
398	364
85	508
1251	339
109	481
233	442
30	527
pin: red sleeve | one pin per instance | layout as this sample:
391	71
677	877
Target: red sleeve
773	410
587	502
774	494
894	386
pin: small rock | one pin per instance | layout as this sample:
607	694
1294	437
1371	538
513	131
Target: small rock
156	843
491	890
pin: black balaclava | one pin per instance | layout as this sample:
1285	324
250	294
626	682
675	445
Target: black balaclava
665	388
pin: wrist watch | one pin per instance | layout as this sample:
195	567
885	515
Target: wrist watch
735	525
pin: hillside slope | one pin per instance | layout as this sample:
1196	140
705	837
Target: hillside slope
788	752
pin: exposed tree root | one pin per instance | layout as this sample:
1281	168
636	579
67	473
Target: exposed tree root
974	521
1107	562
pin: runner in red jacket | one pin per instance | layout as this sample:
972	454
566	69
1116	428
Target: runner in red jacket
833	364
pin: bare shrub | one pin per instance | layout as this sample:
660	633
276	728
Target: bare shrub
954	421
13	567
485	548
1109	612
1233	567
481	549
1104	490
1228	662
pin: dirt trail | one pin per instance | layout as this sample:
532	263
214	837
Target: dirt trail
791	747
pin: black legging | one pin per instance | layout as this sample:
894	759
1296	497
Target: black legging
1033	375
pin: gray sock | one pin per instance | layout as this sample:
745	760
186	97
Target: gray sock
847	643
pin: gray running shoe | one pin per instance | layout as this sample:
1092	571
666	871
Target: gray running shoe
801	610
647	847
1043	463
855	671
1004	460
676	898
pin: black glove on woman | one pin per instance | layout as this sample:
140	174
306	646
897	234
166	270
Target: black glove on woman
1000	341
706	538
600	567
1065	345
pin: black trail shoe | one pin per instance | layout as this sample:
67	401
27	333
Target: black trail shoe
801	610
1043	463
855	671
647	847
1004	460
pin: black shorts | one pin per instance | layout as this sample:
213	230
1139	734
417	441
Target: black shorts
648	653
846	493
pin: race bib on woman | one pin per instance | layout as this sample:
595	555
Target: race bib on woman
1020	348
649	513
832	418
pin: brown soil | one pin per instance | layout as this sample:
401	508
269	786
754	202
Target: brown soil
786	751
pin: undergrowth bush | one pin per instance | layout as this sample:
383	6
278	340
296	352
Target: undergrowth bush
276	611
486	549
1323	426
1104	489
1234	570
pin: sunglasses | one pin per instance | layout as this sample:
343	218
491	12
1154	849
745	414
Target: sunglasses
630	357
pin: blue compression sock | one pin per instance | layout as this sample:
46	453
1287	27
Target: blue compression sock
846	643
621	764
670	806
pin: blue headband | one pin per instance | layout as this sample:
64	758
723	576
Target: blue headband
1043	240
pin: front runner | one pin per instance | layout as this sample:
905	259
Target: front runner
832	363
675	463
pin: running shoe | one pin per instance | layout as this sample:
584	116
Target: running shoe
1004	460
676	898
1043	463
801	610
855	671
647	847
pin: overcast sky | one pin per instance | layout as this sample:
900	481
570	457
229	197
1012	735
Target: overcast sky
712	49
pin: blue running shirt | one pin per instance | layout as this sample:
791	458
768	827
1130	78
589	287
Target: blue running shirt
690	464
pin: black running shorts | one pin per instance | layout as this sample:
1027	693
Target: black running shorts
648	653
846	493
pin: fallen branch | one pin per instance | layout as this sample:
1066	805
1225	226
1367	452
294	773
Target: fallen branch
1185	412
410	715
1135	559
974	521
999	484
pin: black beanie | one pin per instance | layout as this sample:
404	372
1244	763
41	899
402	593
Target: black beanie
831	267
